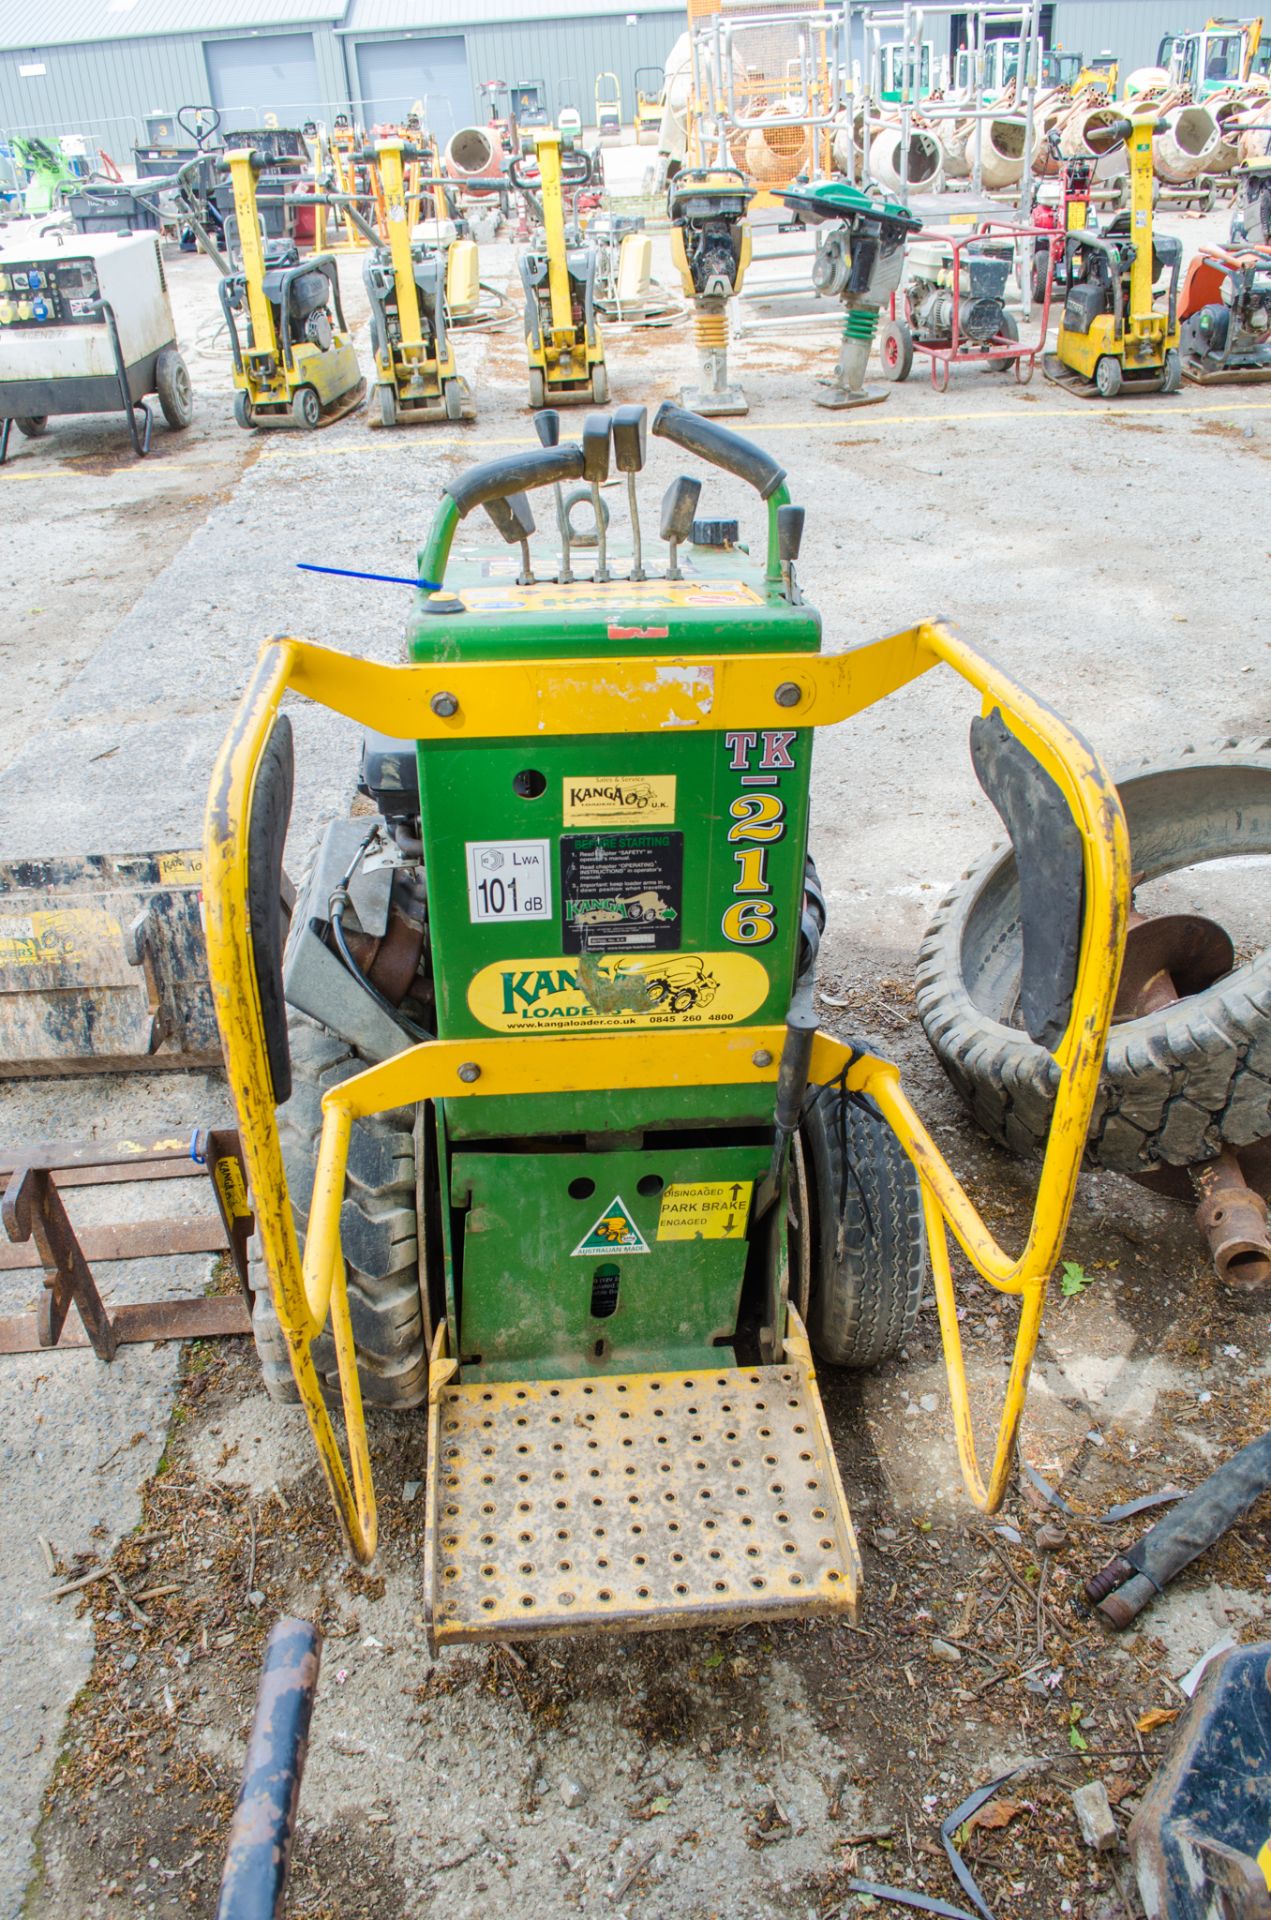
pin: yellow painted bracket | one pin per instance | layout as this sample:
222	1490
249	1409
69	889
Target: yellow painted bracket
637	695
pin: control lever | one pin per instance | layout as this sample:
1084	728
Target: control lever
630	437
514	517
789	540
596	469
547	427
679	505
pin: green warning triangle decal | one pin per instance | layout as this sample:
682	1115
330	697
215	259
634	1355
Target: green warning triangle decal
614	1232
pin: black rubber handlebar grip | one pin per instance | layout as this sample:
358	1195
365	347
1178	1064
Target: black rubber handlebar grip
495	479
720	446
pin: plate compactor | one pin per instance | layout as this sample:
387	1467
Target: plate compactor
585	1167
296	365
1225	315
710	246
860	258
1111	333
408	285
558	272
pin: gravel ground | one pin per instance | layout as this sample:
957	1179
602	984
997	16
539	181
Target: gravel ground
1106	555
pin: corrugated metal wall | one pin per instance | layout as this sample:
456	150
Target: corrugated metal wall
1130	28
104	88
567	55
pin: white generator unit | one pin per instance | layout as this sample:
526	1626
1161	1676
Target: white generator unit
86	327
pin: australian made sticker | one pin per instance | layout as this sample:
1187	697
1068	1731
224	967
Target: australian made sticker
614	1232
621	892
616	991
619	800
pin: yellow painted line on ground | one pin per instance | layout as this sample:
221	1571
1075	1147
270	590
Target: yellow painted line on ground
1080	410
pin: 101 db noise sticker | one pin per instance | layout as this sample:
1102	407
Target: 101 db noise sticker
509	880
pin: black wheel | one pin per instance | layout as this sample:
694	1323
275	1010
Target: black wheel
895	350
452	392
600	384
32	425
1009	331
306	408
386	397
1178	1083
1107	375
378	1230
538	388
1171	371
244	411
867	1245
172	384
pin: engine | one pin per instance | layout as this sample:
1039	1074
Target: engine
305	296
981	293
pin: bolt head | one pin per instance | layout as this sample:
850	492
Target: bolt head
787	694
444	705
761	1059
469	1071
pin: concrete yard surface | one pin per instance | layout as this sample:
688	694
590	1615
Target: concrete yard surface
1113	558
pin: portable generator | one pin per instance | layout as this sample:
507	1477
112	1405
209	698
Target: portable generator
86	327
573	1166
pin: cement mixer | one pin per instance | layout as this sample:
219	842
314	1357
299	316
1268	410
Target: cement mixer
473	159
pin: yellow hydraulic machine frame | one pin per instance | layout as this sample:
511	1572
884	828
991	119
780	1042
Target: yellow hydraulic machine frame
558	271
294	363
407	284
1111	333
447	704
649	105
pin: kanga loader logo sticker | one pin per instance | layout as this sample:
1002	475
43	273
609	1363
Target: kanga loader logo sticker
614	1232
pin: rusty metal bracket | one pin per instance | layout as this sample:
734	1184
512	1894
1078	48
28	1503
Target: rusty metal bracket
42	1234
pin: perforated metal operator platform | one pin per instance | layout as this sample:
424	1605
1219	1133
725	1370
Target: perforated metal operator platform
560	1505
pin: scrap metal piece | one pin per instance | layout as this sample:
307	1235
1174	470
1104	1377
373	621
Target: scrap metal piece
33	1210
638	1501
254	1883
102	964
1233	1218
1201	1838
1123	1588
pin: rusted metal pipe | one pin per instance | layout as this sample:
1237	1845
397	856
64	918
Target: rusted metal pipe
1233	1218
254	1883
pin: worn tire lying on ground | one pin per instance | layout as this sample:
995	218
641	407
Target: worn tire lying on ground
1177	1084
378	1231
866	1238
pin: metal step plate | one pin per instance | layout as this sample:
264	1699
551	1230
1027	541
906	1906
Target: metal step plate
645	1500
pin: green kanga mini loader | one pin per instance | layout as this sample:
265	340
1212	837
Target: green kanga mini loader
536	1080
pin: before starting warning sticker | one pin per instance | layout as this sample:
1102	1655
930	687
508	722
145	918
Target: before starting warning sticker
621	892
705	1210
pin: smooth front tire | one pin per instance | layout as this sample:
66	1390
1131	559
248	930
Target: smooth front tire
172	385
895	350
306	408
1171	371
32	425
1107	376
244	411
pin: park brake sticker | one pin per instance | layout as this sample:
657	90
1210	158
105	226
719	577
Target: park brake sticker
614	1232
705	1210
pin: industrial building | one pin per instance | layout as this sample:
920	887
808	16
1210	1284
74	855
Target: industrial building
101	67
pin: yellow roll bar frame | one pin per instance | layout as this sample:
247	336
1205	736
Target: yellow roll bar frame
697	692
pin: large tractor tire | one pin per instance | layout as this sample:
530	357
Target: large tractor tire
1178	1083
378	1231
867	1246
